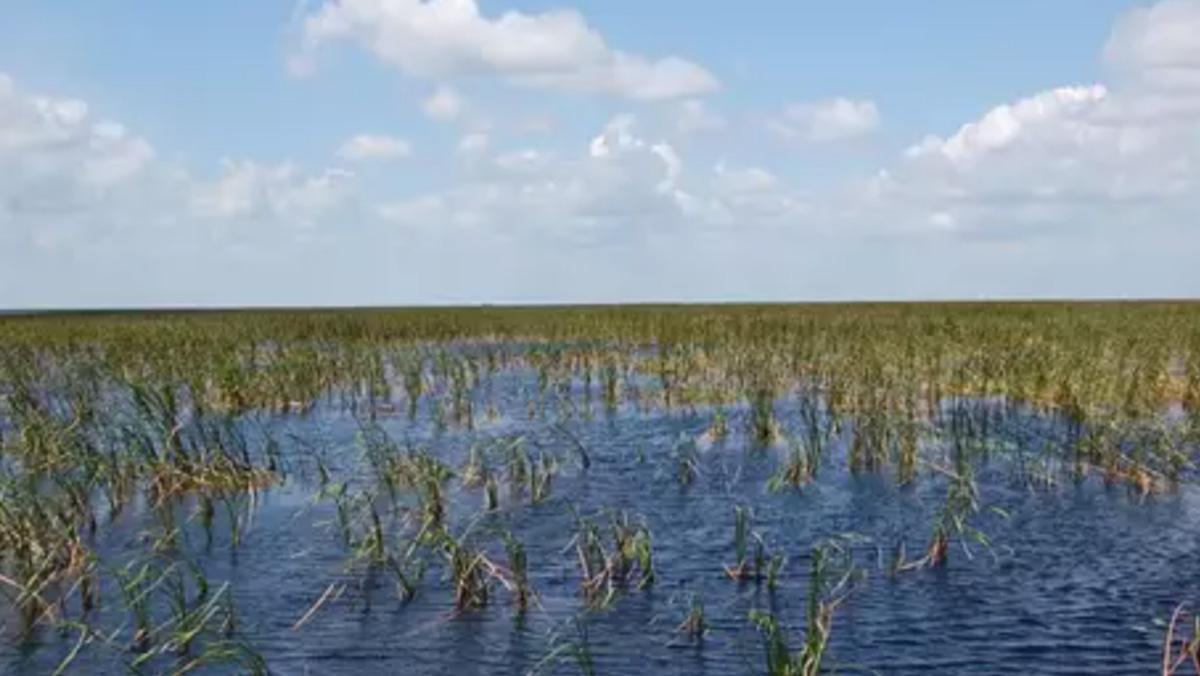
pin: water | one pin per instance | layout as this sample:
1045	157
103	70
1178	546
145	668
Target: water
1078	579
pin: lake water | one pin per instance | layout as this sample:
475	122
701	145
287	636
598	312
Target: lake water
1078	579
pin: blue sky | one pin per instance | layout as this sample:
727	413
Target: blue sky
433	151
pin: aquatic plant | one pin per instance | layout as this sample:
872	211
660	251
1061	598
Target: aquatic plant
574	649
178	423
953	519
798	469
609	564
475	473
747	565
687	460
832	577
1181	644
518	567
719	429
695	624
763	427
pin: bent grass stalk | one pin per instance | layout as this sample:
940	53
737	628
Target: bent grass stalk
747	566
832	577
1181	644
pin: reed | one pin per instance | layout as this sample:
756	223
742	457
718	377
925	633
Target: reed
1181	645
574	649
752	561
518	566
181	422
832	576
610	564
695	624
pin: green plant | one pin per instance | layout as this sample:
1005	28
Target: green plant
832	577
1181	645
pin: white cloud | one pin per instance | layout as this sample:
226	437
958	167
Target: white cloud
528	161
1091	160
248	191
740	181
444	103
617	135
1047	194
620	187
91	215
1158	45
116	156
753	198
693	117
673	164
425	211
69	178
837	119
473	143
56	155
443	39
1056	115
374	147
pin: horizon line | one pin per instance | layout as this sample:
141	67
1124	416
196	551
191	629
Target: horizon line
518	305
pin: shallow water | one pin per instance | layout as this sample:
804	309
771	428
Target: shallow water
1077	582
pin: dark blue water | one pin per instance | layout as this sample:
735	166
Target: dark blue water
1078	579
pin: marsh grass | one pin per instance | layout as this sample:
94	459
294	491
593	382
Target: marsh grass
607	565
569	647
172	420
752	562
1181	645
832	577
954	519
695	625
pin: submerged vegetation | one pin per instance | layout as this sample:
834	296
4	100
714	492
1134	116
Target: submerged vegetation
468	427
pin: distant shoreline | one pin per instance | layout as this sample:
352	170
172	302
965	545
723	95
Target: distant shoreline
179	310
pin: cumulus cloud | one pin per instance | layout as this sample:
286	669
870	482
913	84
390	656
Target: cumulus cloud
443	39
1158	45
752	197
622	188
1079	177
426	210
69	179
742	181
1057	115
444	103
56	155
1127	151
837	119
274	193
91	215
374	147
693	117
473	144
617	188
617	136
528	161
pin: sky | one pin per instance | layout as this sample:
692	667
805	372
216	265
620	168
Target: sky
415	152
